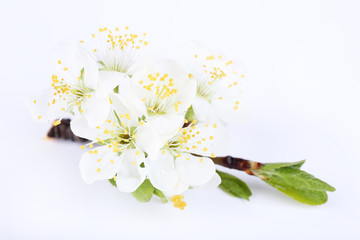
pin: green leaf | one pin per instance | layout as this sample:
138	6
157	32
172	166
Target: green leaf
144	192
234	186
296	183
270	166
161	195
190	114
112	181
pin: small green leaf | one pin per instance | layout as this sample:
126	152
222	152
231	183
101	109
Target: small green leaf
112	181
190	114
161	195
234	186
296	183
144	192
270	166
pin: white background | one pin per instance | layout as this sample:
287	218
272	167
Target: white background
302	82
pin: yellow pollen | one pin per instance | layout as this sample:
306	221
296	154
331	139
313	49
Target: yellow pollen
137	152
133	162
214	125
126	28
65	68
39	116
95	151
98	170
59	61
111	102
127	116
190	75
82	147
141	122
91	145
195	55
93	35
178	201
99	160
205	149
57	122
213	155
220	98
211	137
201	160
112	161
115	178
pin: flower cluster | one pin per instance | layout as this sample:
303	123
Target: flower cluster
157	121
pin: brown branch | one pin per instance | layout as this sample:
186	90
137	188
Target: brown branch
63	131
238	164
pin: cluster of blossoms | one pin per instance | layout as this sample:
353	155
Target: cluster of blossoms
156	121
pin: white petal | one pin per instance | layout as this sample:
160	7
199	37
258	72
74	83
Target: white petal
130	175
179	188
214	182
161	171
125	113
108	80
100	166
194	170
91	71
148	140
96	109
231	109
166	126
207	139
186	95
203	109
80	128
43	108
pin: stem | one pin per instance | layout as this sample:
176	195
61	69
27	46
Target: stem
238	164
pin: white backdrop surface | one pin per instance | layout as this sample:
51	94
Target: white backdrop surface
302	63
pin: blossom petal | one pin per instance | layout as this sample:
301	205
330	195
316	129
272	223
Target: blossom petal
203	109
108	80
148	140
96	109
206	139
46	106
231	109
80	128
130	175
166	126
194	170
214	182
179	188
161	171
99	164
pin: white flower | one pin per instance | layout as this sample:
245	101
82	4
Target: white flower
125	137
184	161
78	88
163	93
218	87
117	50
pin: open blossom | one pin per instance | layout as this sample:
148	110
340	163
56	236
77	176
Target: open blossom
218	87
125	139
184	160
78	88
116	49
162	92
